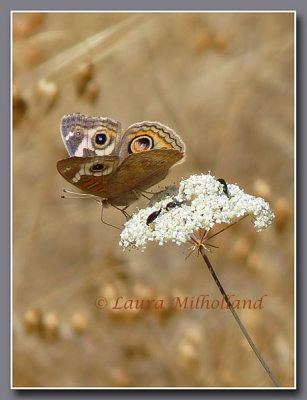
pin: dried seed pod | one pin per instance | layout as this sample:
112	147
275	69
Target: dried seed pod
51	326
83	75
26	24
201	40
79	323
33	55
165	310
241	249
187	352
32	321
194	334
37	19
254	262
282	213
19	106
131	315
110	293
141	291
262	189
221	41
46	93
92	91
119	377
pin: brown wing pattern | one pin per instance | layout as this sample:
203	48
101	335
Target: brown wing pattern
140	171
78	133
149	135
90	174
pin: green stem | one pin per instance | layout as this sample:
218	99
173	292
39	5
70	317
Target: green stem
245	333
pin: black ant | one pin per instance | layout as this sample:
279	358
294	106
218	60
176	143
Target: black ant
225	188
153	216
168	206
173	204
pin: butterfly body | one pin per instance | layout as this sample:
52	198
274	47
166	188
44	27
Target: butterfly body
115	166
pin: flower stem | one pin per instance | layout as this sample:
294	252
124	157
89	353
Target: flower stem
245	333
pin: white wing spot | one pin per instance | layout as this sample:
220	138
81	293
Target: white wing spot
70	135
76	178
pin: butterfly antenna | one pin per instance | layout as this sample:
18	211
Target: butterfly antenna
79	194
74	197
78	198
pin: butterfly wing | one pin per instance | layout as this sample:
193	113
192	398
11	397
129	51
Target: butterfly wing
147	151
90	174
145	136
141	159
140	171
90	136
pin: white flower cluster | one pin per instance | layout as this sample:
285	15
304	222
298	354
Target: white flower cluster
200	201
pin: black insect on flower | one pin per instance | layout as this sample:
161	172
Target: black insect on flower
173	204
153	216
225	189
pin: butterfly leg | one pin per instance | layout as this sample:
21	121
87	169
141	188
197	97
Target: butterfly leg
148	198
104	222
127	215
146	191
123	210
139	193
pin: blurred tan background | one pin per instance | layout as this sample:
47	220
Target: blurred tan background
225	83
